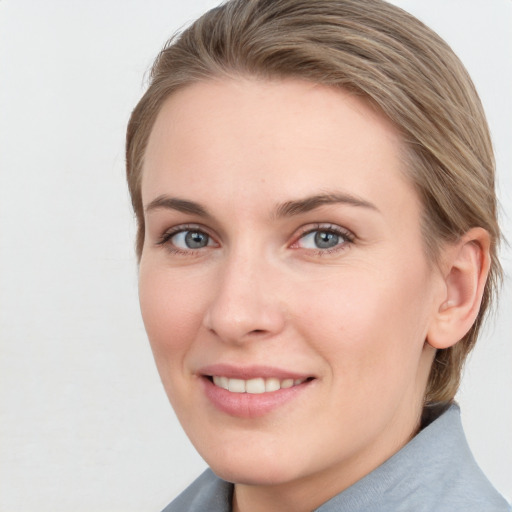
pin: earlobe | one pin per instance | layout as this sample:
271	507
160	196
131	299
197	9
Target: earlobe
466	266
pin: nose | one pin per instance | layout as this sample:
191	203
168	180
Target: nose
245	304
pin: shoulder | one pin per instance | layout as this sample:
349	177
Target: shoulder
434	472
456	482
207	492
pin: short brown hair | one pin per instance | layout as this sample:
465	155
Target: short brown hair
375	50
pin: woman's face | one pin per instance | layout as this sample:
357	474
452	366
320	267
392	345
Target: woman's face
283	260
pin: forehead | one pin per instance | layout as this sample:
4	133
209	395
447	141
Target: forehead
278	138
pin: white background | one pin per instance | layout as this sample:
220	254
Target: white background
84	422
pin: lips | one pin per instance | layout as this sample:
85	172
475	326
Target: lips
251	392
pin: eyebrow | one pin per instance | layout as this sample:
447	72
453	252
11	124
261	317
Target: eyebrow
307	204
180	205
287	209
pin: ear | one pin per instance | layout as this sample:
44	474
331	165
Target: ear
465	267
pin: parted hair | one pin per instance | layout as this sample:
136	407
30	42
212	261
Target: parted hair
379	52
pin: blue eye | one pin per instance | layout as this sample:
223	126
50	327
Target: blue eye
326	240
190	239
323	239
186	239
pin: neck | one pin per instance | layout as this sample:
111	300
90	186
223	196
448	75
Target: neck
308	493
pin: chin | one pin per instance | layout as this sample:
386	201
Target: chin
252	475
248	471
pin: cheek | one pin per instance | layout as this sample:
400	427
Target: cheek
369	325
169	311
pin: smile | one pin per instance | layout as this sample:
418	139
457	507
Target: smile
256	385
253	391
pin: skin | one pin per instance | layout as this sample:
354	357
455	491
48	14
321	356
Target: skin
354	317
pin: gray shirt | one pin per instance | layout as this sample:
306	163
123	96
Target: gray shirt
434	472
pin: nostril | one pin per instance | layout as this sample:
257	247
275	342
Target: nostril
243	320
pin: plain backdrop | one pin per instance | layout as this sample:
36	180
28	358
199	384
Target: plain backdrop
84	422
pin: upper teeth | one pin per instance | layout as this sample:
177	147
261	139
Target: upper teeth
258	385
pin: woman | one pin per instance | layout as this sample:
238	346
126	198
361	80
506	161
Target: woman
314	188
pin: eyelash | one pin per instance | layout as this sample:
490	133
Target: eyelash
165	239
347	236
